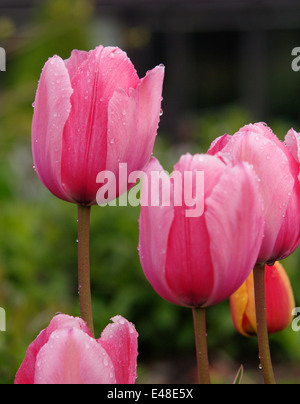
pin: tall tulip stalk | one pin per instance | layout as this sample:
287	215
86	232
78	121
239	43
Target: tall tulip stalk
91	113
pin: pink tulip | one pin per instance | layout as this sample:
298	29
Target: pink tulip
92	112
200	261
66	353
277	166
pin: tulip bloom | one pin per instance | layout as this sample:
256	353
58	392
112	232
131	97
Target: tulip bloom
279	302
92	112
277	166
200	261
66	353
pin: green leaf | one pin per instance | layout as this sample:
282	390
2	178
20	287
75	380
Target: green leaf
239	375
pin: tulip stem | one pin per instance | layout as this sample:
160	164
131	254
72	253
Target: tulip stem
84	282
199	316
261	322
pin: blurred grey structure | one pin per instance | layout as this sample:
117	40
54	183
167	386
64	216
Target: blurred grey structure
216	52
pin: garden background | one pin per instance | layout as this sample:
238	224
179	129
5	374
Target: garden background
228	63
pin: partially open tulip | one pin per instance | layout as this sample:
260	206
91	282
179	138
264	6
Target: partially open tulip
66	353
92	112
277	166
279	302
199	260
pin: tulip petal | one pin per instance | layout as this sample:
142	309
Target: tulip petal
25	374
133	123
272	167
249	321
292	142
120	342
218	144
51	111
238	305
279	298
234	220
154	238
189	265
75	60
64	321
85	134
73	357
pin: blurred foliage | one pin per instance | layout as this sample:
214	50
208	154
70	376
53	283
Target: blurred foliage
38	251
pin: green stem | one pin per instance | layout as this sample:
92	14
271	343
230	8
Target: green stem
84	282
261	322
199	316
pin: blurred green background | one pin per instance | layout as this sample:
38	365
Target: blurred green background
226	66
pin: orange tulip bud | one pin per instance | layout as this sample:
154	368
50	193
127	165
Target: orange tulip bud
279	302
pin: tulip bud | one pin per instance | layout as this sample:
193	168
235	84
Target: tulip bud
279	302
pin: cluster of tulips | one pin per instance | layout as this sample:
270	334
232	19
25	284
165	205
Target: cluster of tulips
91	113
